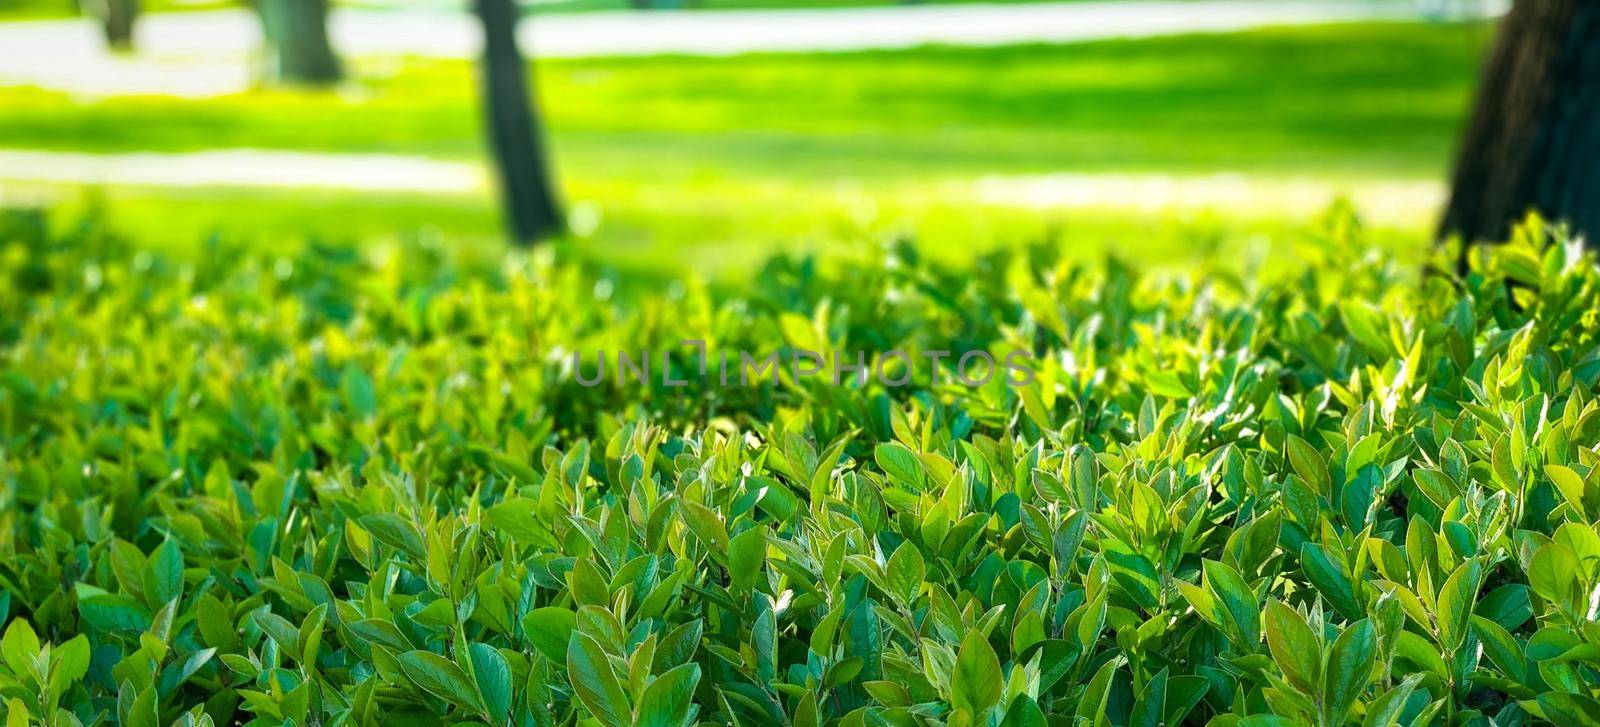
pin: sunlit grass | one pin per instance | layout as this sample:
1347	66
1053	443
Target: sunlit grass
1355	98
646	233
705	163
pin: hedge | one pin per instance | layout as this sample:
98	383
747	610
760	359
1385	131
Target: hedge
338	487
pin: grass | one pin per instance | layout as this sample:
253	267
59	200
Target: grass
1346	98
645	235
710	161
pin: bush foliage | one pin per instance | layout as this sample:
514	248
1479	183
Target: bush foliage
340	488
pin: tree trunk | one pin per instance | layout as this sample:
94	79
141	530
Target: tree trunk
297	38
116	20
1533	142
514	134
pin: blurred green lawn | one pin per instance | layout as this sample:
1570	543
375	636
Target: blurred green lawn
692	160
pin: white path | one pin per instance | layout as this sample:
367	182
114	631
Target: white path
1388	202
210	53
243	168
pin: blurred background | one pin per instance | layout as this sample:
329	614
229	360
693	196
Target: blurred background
669	136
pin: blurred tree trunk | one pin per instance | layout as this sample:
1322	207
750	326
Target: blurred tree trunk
297	37
116	20
1533	142
514	131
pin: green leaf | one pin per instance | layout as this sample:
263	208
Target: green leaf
1091	706
1268	720
888	694
667	700
678	647
549	629
1423	655
1501	648
1568	483
1567	709
1167	383
359	393
905	572
1024	712
706	526
585	582
1183	693
395	532
1150	710
1552	573
1500	462
1507	605
776	498
975	680
1366	325
799	332
1551	642
764	640
519	518
112	612
163	574
379	632
69	663
1058	656
492	675
17	714
900	464
1309	464
1294	647
1456	600
747	553
142	710
20	646
1348	670
822	476
1203	603
843	672
279	630
440	677
172	678
1330	580
1388	707
589	670
309	638
1237	599
215	624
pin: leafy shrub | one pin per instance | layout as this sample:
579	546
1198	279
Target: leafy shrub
339	488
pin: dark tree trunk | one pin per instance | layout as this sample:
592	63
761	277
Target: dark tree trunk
1533	142
514	134
297	36
116	20
118	23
